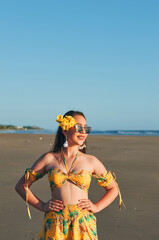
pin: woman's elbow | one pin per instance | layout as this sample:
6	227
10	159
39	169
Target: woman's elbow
115	189
116	192
17	187
20	186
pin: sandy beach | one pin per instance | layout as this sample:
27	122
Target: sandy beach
135	161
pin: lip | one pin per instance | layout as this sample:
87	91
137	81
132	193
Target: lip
81	137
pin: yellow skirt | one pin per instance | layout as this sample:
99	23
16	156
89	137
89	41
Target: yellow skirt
70	223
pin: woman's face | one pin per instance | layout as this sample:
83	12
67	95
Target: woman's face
76	138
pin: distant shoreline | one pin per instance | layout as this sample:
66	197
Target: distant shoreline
95	132
18	128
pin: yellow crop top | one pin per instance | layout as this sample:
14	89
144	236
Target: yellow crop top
81	178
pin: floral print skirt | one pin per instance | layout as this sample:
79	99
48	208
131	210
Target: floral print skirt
70	223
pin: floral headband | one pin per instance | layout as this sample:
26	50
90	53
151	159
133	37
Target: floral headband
66	122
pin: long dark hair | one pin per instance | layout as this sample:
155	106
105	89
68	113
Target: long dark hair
60	138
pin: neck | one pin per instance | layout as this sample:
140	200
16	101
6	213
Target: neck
70	151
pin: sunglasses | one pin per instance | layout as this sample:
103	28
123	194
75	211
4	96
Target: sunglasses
80	128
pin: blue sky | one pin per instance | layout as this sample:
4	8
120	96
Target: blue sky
99	57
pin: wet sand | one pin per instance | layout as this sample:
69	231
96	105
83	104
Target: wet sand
135	161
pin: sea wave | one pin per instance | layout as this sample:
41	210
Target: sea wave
94	132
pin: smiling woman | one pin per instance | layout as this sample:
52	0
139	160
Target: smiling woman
69	214
61	136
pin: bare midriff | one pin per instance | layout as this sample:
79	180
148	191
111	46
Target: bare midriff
69	193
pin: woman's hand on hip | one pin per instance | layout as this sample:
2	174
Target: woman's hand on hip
86	204
53	205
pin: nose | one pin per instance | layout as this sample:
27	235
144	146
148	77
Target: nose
83	130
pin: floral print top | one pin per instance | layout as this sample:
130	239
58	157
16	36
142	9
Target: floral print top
81	178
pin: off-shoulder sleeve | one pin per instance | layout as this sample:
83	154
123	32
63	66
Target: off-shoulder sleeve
105	180
29	173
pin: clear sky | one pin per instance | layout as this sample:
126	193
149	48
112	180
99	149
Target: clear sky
99	57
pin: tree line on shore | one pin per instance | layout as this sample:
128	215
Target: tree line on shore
12	127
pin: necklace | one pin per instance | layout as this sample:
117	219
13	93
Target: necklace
64	159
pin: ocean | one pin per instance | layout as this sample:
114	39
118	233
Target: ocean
95	132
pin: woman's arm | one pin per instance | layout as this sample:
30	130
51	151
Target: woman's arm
20	187
106	200
109	196
111	190
33	200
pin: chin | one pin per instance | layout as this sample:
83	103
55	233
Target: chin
79	143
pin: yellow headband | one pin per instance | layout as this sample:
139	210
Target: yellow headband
66	122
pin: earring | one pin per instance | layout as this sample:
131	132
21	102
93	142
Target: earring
65	143
82	146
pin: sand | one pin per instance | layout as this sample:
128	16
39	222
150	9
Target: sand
134	159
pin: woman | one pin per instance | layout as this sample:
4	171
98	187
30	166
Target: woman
69	214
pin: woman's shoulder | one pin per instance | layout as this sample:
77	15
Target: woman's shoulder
91	158
41	163
50	157
97	165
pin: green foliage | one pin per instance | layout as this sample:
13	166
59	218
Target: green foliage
12	127
5	127
31	127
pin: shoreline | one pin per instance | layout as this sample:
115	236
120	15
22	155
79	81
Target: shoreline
104	133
